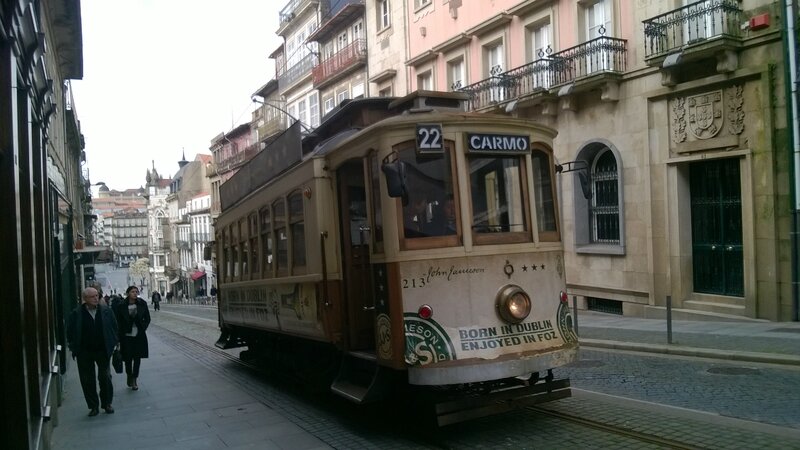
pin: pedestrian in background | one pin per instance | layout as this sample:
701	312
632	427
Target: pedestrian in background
96	285
133	318
92	337
156	299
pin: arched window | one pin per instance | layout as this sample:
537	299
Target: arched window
605	199
597	194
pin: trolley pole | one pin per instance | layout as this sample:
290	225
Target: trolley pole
669	319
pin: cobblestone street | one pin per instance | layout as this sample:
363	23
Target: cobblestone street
628	390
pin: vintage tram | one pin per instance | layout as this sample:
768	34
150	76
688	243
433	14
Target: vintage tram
404	243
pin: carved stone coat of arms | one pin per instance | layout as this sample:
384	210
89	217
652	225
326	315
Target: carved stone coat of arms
705	114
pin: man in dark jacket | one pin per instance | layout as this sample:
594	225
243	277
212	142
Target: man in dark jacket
92	336
156	299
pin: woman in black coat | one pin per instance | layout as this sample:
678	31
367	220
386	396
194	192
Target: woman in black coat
133	317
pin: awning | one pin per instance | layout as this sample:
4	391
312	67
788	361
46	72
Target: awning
197	275
174	280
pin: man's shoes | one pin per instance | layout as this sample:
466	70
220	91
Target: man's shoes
130	380
93	412
109	409
135	386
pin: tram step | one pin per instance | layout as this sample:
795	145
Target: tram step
367	356
361	379
353	392
227	340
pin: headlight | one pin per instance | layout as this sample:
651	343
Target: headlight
513	304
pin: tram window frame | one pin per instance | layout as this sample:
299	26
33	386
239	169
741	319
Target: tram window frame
297	234
279	225
235	251
539	201
253	235
226	257
267	247
501	237
375	208
407	152
244	253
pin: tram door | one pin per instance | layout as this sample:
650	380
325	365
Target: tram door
355	251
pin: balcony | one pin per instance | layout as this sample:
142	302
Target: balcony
292	10
701	30
598	63
271	125
236	160
340	64
294	73
200	237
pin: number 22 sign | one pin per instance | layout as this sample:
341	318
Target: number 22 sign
429	138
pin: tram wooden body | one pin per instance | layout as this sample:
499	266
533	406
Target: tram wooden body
404	244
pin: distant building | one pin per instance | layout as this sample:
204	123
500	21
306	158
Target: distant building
201	235
106	206
158	223
130	236
190	181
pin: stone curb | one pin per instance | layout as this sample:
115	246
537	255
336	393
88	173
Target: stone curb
730	355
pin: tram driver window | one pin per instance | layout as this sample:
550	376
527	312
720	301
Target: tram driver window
430	209
498	199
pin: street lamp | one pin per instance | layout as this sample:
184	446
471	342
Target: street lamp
306	128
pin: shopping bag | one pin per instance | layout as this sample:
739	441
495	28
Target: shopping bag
116	360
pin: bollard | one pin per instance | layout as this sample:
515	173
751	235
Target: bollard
575	313
669	319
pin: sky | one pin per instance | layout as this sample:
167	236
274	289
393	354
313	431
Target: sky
164	76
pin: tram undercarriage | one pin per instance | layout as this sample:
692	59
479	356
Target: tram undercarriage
357	377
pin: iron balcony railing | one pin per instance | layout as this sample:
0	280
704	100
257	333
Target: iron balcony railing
600	55
272	125
353	54
237	159
297	71
691	24
200	237
603	54
289	12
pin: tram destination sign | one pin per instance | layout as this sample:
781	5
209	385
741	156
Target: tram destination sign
498	143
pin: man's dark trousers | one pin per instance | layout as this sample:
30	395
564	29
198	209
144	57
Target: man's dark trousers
86	370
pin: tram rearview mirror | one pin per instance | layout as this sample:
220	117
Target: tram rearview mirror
395	173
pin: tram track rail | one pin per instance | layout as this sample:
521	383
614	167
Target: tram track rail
616	430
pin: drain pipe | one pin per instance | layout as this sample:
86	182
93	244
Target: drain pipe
790	44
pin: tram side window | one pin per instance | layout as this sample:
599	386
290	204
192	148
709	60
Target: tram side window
430	210
281	237
235	249
226	254
498	198
244	247
266	241
377	218
252	232
544	196
298	233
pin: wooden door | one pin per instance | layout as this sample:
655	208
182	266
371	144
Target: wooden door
359	299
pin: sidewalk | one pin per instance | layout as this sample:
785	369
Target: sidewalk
180	404
754	341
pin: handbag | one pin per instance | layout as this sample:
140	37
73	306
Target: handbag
116	360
